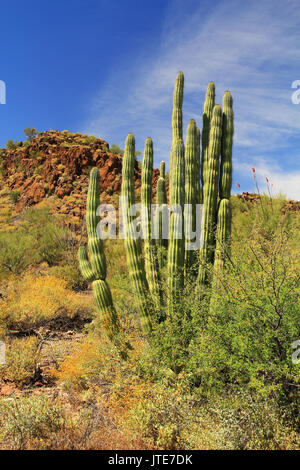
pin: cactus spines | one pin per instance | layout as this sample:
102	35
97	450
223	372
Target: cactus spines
191	168
150	252
176	115
210	193
207	115
93	268
223	233
176	242
132	245
226	150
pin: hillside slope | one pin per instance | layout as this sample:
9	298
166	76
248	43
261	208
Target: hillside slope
54	166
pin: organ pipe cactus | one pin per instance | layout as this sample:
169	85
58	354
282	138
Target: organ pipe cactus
93	267
192	181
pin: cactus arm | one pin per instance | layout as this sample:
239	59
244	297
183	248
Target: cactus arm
151	260
132	246
95	244
207	115
226	149
94	270
176	244
85	265
210	194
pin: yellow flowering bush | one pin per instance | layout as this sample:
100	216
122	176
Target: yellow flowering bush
32	301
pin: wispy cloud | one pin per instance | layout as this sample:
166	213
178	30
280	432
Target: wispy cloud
250	48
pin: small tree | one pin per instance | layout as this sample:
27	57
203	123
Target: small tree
30	133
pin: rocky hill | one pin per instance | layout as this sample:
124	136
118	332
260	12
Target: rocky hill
54	167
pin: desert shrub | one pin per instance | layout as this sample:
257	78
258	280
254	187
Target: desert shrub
30	133
93	361
254	316
90	139
32	301
14	196
247	421
21	360
49	236
27	420
16	250
11	145
39	238
71	274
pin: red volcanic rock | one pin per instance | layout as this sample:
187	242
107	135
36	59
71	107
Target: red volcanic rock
58	164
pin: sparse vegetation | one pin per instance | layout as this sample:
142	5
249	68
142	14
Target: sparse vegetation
173	367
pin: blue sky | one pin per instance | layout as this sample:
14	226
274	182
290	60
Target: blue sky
108	67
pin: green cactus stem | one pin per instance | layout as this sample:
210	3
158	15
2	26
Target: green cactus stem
162	170
226	149
207	115
161	200
177	132
150	251
176	244
135	264
191	196
210	194
223	234
93	268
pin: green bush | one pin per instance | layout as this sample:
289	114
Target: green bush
14	196
40	238
27	419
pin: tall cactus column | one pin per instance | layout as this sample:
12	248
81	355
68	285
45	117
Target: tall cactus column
93	268
191	189
226	150
176	243
150	249
207	115
135	264
210	194
224	211
177	132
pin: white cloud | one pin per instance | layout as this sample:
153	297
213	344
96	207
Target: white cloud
251	48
